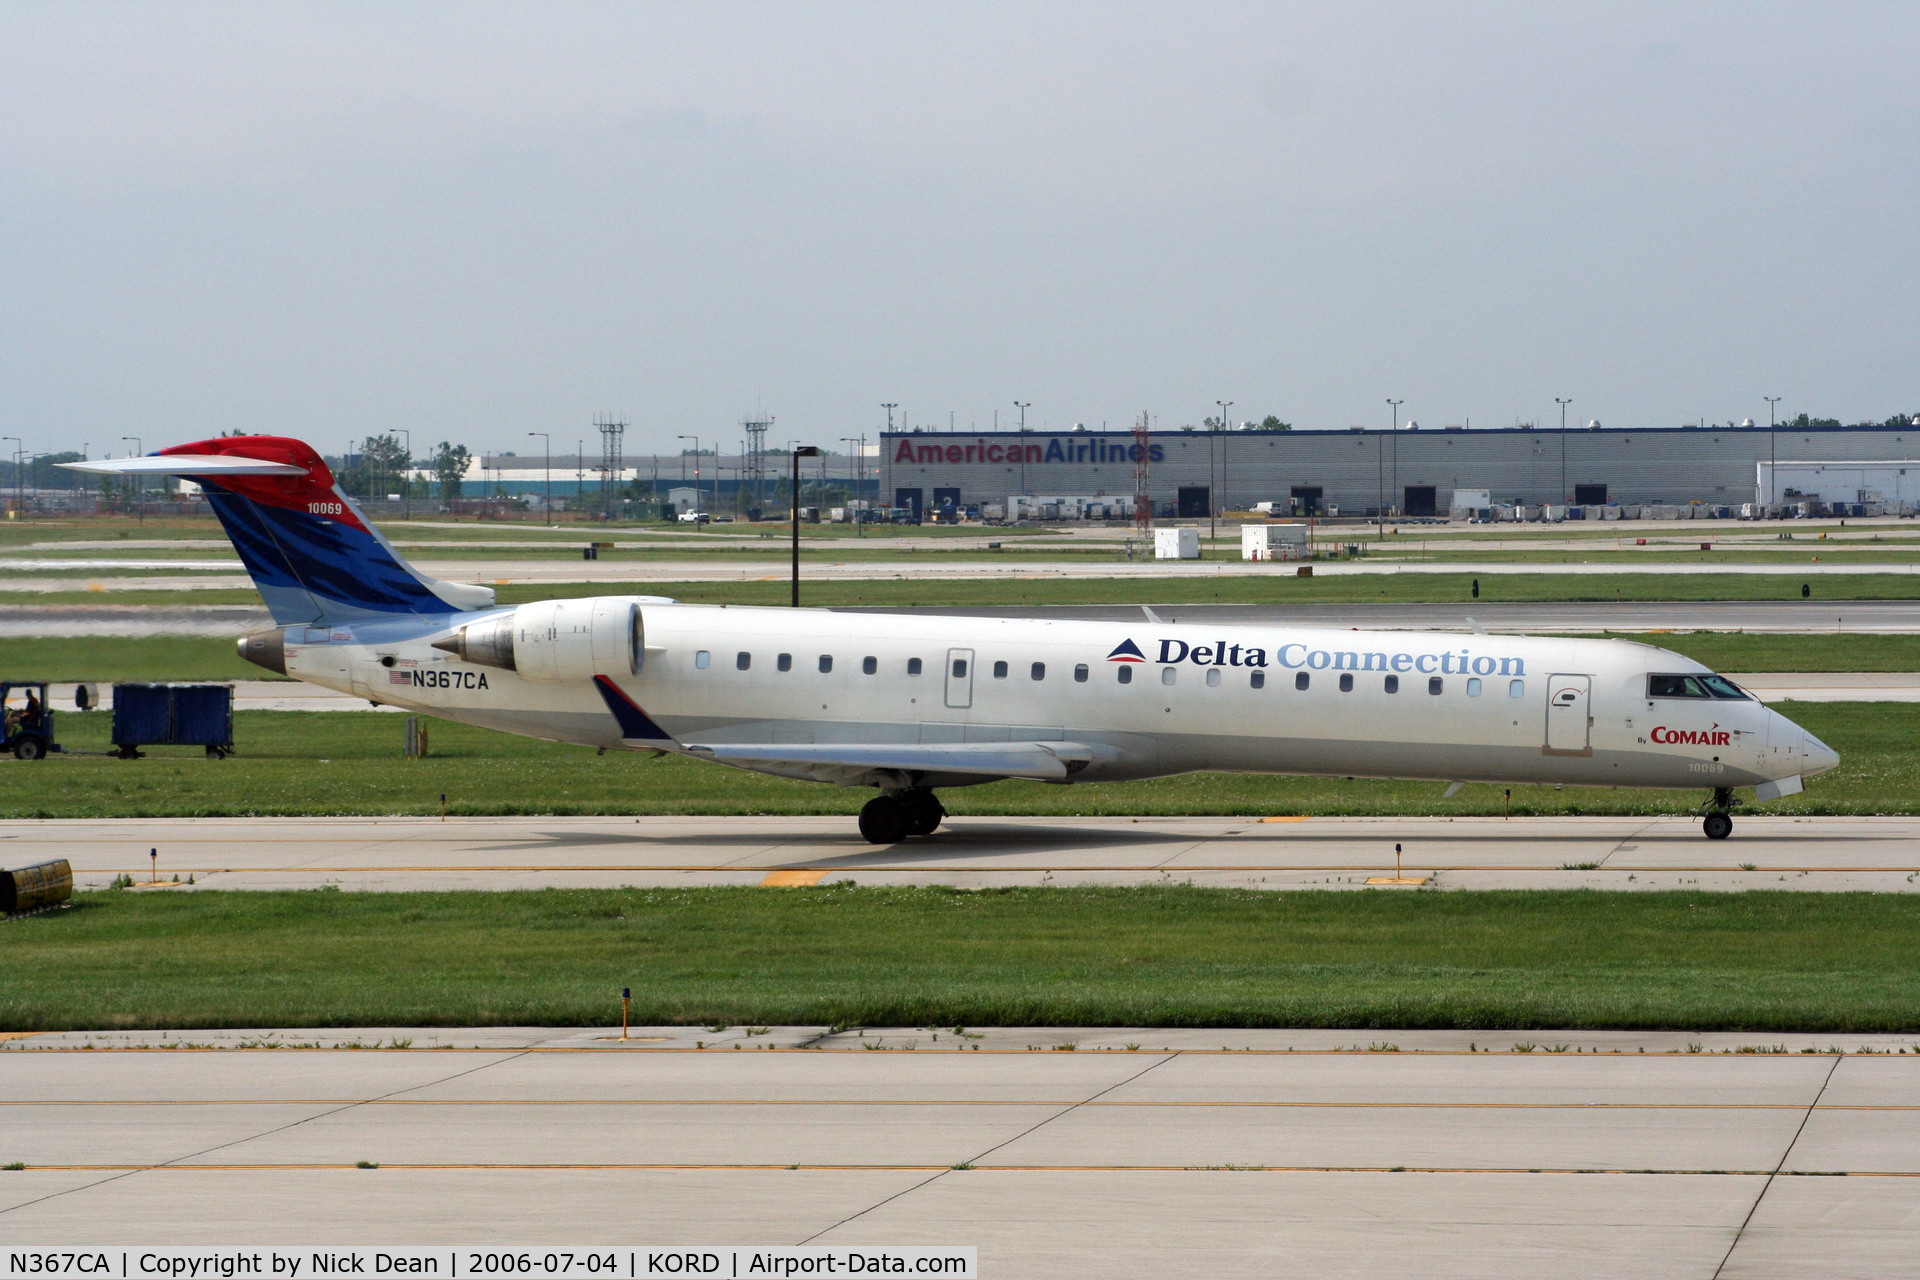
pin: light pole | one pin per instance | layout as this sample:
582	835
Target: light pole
406	476
853	477
1213	501
1773	460
1393	427
1565	498
139	450
1022	407
696	472
546	439
19	494
793	507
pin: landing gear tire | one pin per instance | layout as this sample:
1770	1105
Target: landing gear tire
1718	826
923	812
883	820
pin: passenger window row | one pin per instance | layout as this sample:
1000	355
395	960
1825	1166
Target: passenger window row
1657	686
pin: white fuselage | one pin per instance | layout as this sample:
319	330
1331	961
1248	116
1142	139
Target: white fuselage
1383	704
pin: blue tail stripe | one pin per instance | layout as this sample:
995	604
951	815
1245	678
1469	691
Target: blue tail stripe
332	561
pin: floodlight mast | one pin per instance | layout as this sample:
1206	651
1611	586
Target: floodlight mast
799	452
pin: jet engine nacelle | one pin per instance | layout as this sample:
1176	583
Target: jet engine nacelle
556	639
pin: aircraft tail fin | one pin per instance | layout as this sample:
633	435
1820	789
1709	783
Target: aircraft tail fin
311	552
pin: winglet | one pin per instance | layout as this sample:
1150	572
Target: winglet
635	724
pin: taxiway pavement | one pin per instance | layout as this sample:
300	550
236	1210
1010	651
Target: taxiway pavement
1281	852
1138	1153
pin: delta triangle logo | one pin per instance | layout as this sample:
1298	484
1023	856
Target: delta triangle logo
1126	651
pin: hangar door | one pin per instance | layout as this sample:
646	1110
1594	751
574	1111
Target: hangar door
1195	502
1420	500
1568	720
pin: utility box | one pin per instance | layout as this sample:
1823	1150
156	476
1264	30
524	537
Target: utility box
1176	544
198	715
1273	542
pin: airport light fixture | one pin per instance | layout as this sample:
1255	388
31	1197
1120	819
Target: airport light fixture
19	493
1563	402
139	450
799	452
696	471
1772	450
1213	503
406	476
547	439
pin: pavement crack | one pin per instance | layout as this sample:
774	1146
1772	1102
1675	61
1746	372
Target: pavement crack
1755	1206
974	1160
267	1133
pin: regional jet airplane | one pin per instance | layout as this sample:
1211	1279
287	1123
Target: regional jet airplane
909	704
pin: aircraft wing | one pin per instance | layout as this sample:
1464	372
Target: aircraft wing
903	764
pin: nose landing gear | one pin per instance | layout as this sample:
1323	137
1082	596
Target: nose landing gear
1718	823
892	817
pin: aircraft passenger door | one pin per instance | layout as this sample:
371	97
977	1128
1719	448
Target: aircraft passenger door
1568	720
960	678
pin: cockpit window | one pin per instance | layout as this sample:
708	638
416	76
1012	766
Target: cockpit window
1706	686
1721	687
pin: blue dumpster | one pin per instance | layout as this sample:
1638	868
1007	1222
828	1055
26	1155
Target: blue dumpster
197	715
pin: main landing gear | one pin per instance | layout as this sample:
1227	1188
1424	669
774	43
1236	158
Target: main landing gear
893	816
1719	824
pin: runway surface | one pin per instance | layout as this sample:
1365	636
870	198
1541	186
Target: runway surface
1139	1153
1278	853
1878	616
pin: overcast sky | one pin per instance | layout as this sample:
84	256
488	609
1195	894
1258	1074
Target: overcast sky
476	221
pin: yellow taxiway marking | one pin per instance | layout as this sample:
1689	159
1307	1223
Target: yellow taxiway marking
1396	879
1292	817
17	1035
809	875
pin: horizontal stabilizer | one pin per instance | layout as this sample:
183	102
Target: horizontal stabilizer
184	464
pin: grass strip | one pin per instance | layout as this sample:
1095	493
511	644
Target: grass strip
344	763
1156	956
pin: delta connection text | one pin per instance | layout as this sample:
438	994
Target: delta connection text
784	1262
1297	655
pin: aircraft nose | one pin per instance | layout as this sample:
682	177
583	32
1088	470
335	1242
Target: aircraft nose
1819	756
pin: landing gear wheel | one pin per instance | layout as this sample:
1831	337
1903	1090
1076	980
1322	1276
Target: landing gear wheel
1718	826
883	820
923	812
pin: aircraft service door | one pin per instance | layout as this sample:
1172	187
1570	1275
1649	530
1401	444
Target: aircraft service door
960	677
1567	718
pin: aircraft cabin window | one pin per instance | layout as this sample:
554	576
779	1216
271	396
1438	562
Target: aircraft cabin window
1300	681
1516	688
1393	684
1258	679
701	659
1435	685
869	665
1346	682
913	666
1124	674
742	660
784	662
1213	677
826	663
959	668
1080	673
1473	686
1039	671
999	671
1169	674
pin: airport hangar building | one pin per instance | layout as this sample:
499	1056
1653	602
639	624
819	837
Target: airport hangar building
1412	472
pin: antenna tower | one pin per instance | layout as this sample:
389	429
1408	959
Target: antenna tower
756	472
612	453
1142	499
